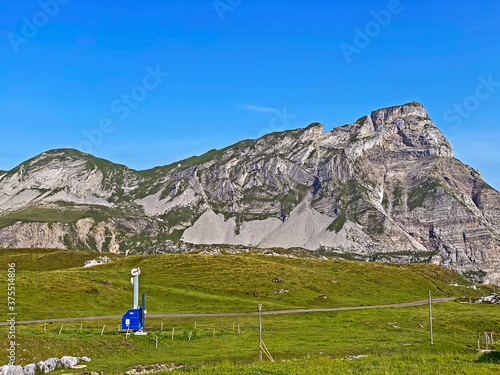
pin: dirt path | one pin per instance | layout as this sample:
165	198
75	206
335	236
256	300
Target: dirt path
408	304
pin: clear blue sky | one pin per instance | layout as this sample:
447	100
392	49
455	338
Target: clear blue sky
67	69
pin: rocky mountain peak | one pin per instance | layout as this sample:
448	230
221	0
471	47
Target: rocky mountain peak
315	127
388	115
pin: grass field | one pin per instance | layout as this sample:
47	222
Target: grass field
52	283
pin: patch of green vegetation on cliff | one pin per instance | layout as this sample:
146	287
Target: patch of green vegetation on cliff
385	201
181	214
375	222
397	196
142	243
338	223
197	160
476	277
167	190
418	195
361	121
45	215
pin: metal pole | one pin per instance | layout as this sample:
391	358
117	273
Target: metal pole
135	301
430	315
143	312
259	306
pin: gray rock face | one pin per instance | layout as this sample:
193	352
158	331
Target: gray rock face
386	187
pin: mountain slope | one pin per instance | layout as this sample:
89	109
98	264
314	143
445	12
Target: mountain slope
385	187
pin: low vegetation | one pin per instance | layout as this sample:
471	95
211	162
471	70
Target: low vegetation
53	283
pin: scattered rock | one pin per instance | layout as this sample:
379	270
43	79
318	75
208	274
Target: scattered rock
106	282
11	370
322	297
30	369
49	365
278	280
351	357
492	299
68	361
335	281
280	291
99	260
420	326
43	367
149	369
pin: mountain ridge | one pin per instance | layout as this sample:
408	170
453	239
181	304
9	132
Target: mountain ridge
386	184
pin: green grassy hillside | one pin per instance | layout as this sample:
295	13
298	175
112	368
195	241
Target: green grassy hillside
53	283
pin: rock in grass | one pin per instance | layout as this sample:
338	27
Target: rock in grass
49	365
30	369
68	361
11	370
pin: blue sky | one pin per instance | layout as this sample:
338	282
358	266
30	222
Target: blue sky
146	84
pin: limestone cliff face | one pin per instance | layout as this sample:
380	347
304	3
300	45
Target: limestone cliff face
385	187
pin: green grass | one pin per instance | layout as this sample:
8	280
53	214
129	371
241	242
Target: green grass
202	283
51	283
312	343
